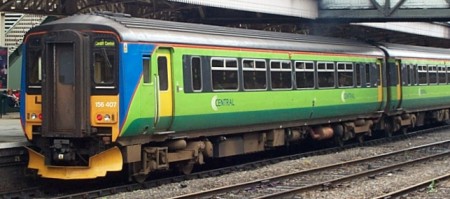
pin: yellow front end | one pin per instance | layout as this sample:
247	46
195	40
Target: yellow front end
99	165
103	114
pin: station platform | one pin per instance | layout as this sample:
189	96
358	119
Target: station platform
10	115
11	133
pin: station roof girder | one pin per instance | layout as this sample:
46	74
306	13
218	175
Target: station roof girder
181	10
385	10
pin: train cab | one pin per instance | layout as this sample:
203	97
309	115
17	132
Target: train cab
71	107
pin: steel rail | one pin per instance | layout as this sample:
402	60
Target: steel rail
295	191
258	182
415	187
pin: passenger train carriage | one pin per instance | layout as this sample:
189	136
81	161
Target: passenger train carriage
106	93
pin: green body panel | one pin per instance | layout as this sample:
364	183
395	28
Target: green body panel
426	96
214	110
193	111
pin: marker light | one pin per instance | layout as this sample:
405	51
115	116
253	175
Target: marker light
40	116
99	117
107	117
33	116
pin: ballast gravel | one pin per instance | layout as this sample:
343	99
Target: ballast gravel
358	189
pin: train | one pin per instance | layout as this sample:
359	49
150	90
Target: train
104	93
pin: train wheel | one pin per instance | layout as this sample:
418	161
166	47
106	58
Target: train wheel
360	138
339	141
140	178
404	130
134	170
388	129
338	135
186	168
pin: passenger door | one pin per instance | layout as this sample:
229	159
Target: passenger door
162	74
394	84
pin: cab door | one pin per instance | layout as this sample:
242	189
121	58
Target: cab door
162	74
64	98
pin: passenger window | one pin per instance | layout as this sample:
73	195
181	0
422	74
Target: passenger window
358	75
413	75
254	74
196	73
146	68
162	72
325	73
405	75
224	74
304	74
448	75
422	72
442	75
432	74
376	75
345	74
367	75
281	77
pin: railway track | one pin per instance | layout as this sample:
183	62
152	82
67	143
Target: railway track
114	189
410	189
13	155
13	160
325	177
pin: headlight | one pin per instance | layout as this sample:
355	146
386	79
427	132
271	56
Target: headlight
107	118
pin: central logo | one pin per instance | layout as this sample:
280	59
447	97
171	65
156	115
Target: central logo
345	96
218	102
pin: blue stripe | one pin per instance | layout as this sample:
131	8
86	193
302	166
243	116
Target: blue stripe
130	72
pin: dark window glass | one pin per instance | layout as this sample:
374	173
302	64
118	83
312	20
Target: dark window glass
367	75
196	73
358	75
61	58
409	79
345	74
325	73
432	74
224	74
304	74
405	75
448	75
281	77
162	72
442	75
34	66
146	68
104	66
254	74
413	75
375	78
422	70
